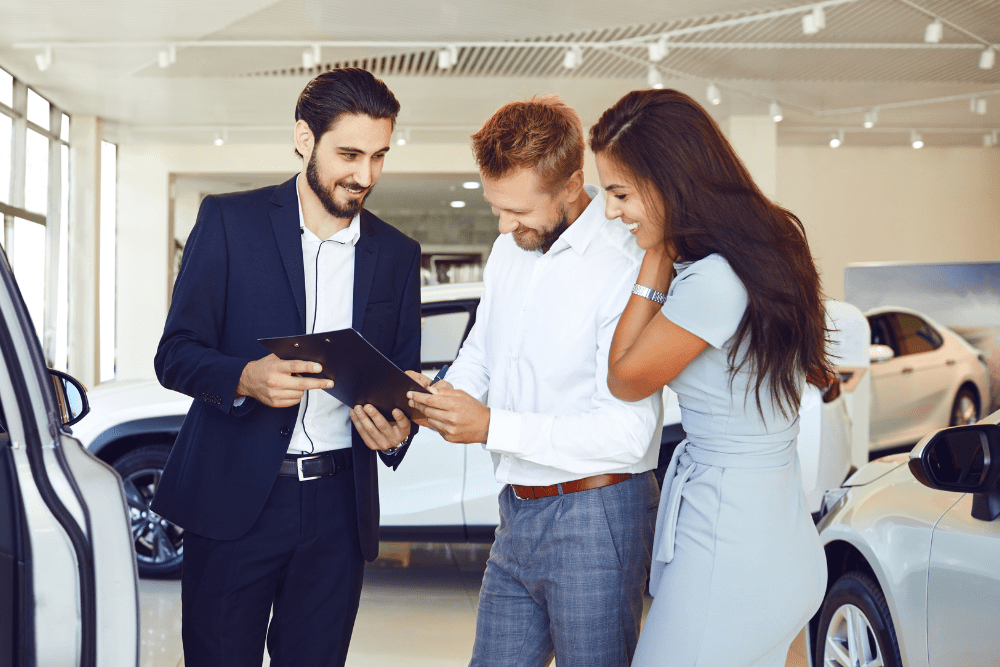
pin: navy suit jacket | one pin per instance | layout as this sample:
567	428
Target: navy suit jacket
241	279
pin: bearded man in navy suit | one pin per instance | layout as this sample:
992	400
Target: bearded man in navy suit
276	485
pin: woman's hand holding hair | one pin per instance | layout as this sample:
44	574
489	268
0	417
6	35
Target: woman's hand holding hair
657	269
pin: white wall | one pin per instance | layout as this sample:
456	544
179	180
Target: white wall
892	204
858	205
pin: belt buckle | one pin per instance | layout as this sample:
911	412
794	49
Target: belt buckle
298	464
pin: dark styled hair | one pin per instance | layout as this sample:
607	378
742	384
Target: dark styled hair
672	148
543	134
347	90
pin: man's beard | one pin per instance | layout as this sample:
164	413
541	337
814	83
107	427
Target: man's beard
326	194
541	240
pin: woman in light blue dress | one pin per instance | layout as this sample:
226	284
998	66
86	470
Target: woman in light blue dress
727	312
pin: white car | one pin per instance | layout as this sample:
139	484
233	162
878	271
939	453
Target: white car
442	491
924	377
68	588
913	554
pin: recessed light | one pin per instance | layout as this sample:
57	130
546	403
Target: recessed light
470	185
458	204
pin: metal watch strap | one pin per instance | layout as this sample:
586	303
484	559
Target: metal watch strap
649	293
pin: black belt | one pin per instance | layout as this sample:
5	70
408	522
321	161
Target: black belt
316	465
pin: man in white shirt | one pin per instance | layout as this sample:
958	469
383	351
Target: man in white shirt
568	568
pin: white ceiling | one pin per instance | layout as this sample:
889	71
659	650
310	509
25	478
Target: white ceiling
871	53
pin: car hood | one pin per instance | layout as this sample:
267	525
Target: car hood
877	469
117	402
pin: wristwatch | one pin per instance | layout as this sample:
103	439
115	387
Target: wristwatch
395	450
649	293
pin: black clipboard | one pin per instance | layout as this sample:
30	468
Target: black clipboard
361	374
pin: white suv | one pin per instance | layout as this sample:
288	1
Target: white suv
442	491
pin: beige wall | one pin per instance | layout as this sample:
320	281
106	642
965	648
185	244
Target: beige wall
858	205
892	204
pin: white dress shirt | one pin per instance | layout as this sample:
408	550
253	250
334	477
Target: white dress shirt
539	352
324	423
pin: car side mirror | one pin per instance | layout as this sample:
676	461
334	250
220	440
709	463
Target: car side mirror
880	353
965	459
71	397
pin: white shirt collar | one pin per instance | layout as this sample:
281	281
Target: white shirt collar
579	234
347	236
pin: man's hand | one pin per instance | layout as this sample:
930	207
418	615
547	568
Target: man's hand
378	433
419	417
456	415
272	381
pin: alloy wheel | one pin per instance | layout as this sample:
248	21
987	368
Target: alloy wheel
965	411
850	640
157	541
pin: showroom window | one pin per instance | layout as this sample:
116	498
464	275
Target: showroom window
34	195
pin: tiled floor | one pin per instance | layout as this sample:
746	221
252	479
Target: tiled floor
427	594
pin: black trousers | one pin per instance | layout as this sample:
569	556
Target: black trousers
302	556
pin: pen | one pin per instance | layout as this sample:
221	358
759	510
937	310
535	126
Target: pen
440	374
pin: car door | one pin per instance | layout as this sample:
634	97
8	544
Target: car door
66	557
929	371
891	387
424	495
963	589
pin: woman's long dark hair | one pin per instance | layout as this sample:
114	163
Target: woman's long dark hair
672	147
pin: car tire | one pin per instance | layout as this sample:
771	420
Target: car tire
855	609
159	544
965	409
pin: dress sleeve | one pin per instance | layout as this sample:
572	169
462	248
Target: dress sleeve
707	299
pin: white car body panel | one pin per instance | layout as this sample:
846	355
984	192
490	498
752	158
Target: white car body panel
912	394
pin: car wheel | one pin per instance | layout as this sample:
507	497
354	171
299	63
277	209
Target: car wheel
159	544
855	628
965	409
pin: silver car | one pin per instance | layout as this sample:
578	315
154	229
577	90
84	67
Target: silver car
913	551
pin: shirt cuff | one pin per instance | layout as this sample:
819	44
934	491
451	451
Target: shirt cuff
238	401
504	436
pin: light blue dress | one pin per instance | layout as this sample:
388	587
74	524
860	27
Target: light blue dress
738	568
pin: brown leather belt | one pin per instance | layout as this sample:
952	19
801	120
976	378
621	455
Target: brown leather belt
585	484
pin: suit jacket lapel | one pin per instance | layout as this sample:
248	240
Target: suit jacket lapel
365	257
285	222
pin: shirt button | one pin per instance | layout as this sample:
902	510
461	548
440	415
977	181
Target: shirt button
285	430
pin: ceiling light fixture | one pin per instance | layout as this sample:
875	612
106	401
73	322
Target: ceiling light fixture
654	78
402	136
713	94
311	57
44	59
470	185
458	204
837	139
916	140
658	50
447	57
220	138
977	105
573	57
987	58
814	21
871	118
775	111
933	32
988	140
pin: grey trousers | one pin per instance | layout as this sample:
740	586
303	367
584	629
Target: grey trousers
566	575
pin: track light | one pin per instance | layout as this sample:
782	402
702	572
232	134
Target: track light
573	57
988	140
220	138
933	32
775	111
837	139
167	56
814	21
987	58
713	94
977	105
44	59
871	118
402	137
654	78
916	140
447	57
658	50
311	57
